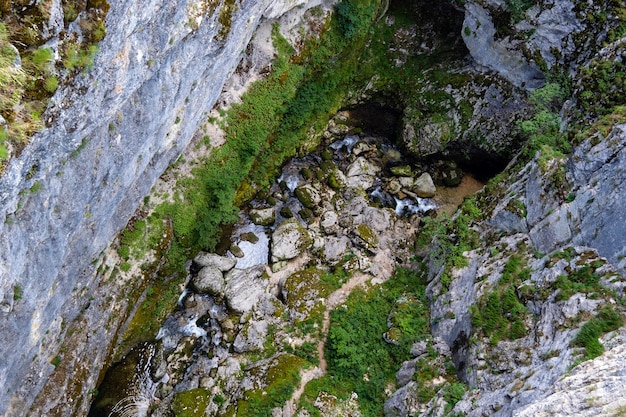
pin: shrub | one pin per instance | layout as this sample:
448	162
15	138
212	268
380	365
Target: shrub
607	319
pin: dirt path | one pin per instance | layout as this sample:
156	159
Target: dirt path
334	300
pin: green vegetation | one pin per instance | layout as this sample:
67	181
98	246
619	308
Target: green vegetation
607	319
359	359
18	292
603	82
517	9
29	74
448	238
500	314
56	361
282	378
542	130
192	403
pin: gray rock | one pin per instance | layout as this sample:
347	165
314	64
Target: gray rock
209	280
335	248
244	287
263	217
361	173
406	372
361	148
251	337
222	263
329	222
554	30
594	388
106	157
403	402
424	186
236	251
289	240
498	55
451	174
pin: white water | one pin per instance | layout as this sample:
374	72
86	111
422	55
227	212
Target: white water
348	142
410	206
254	253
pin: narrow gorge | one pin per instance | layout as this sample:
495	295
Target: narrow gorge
312	208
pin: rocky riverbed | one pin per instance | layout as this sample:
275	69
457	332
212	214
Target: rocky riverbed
342	217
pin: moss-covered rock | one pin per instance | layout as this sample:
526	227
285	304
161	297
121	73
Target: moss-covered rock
308	196
192	403
263	217
401	171
366	237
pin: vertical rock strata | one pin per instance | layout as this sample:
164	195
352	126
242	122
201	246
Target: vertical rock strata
109	137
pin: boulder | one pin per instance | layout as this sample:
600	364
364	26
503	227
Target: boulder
361	148
222	263
263	217
335	248
244	287
336	180
424	186
308	196
209	280
329	222
251	337
361	173
289	240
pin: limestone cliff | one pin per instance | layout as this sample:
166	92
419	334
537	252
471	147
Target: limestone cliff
110	135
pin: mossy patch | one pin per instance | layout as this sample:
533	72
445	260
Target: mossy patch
192	403
367	237
282	377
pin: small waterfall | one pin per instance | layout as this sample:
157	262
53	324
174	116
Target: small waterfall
410	206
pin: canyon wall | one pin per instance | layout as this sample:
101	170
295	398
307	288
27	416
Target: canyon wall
109	136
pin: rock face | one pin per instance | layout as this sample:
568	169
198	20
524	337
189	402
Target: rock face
110	136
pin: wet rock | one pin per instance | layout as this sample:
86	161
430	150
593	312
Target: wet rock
424	186
209	280
336	180
306	214
249	237
289	240
394	186
308	196
222	263
361	148
286	212
263	217
179	360
244	287
236	251
393	155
